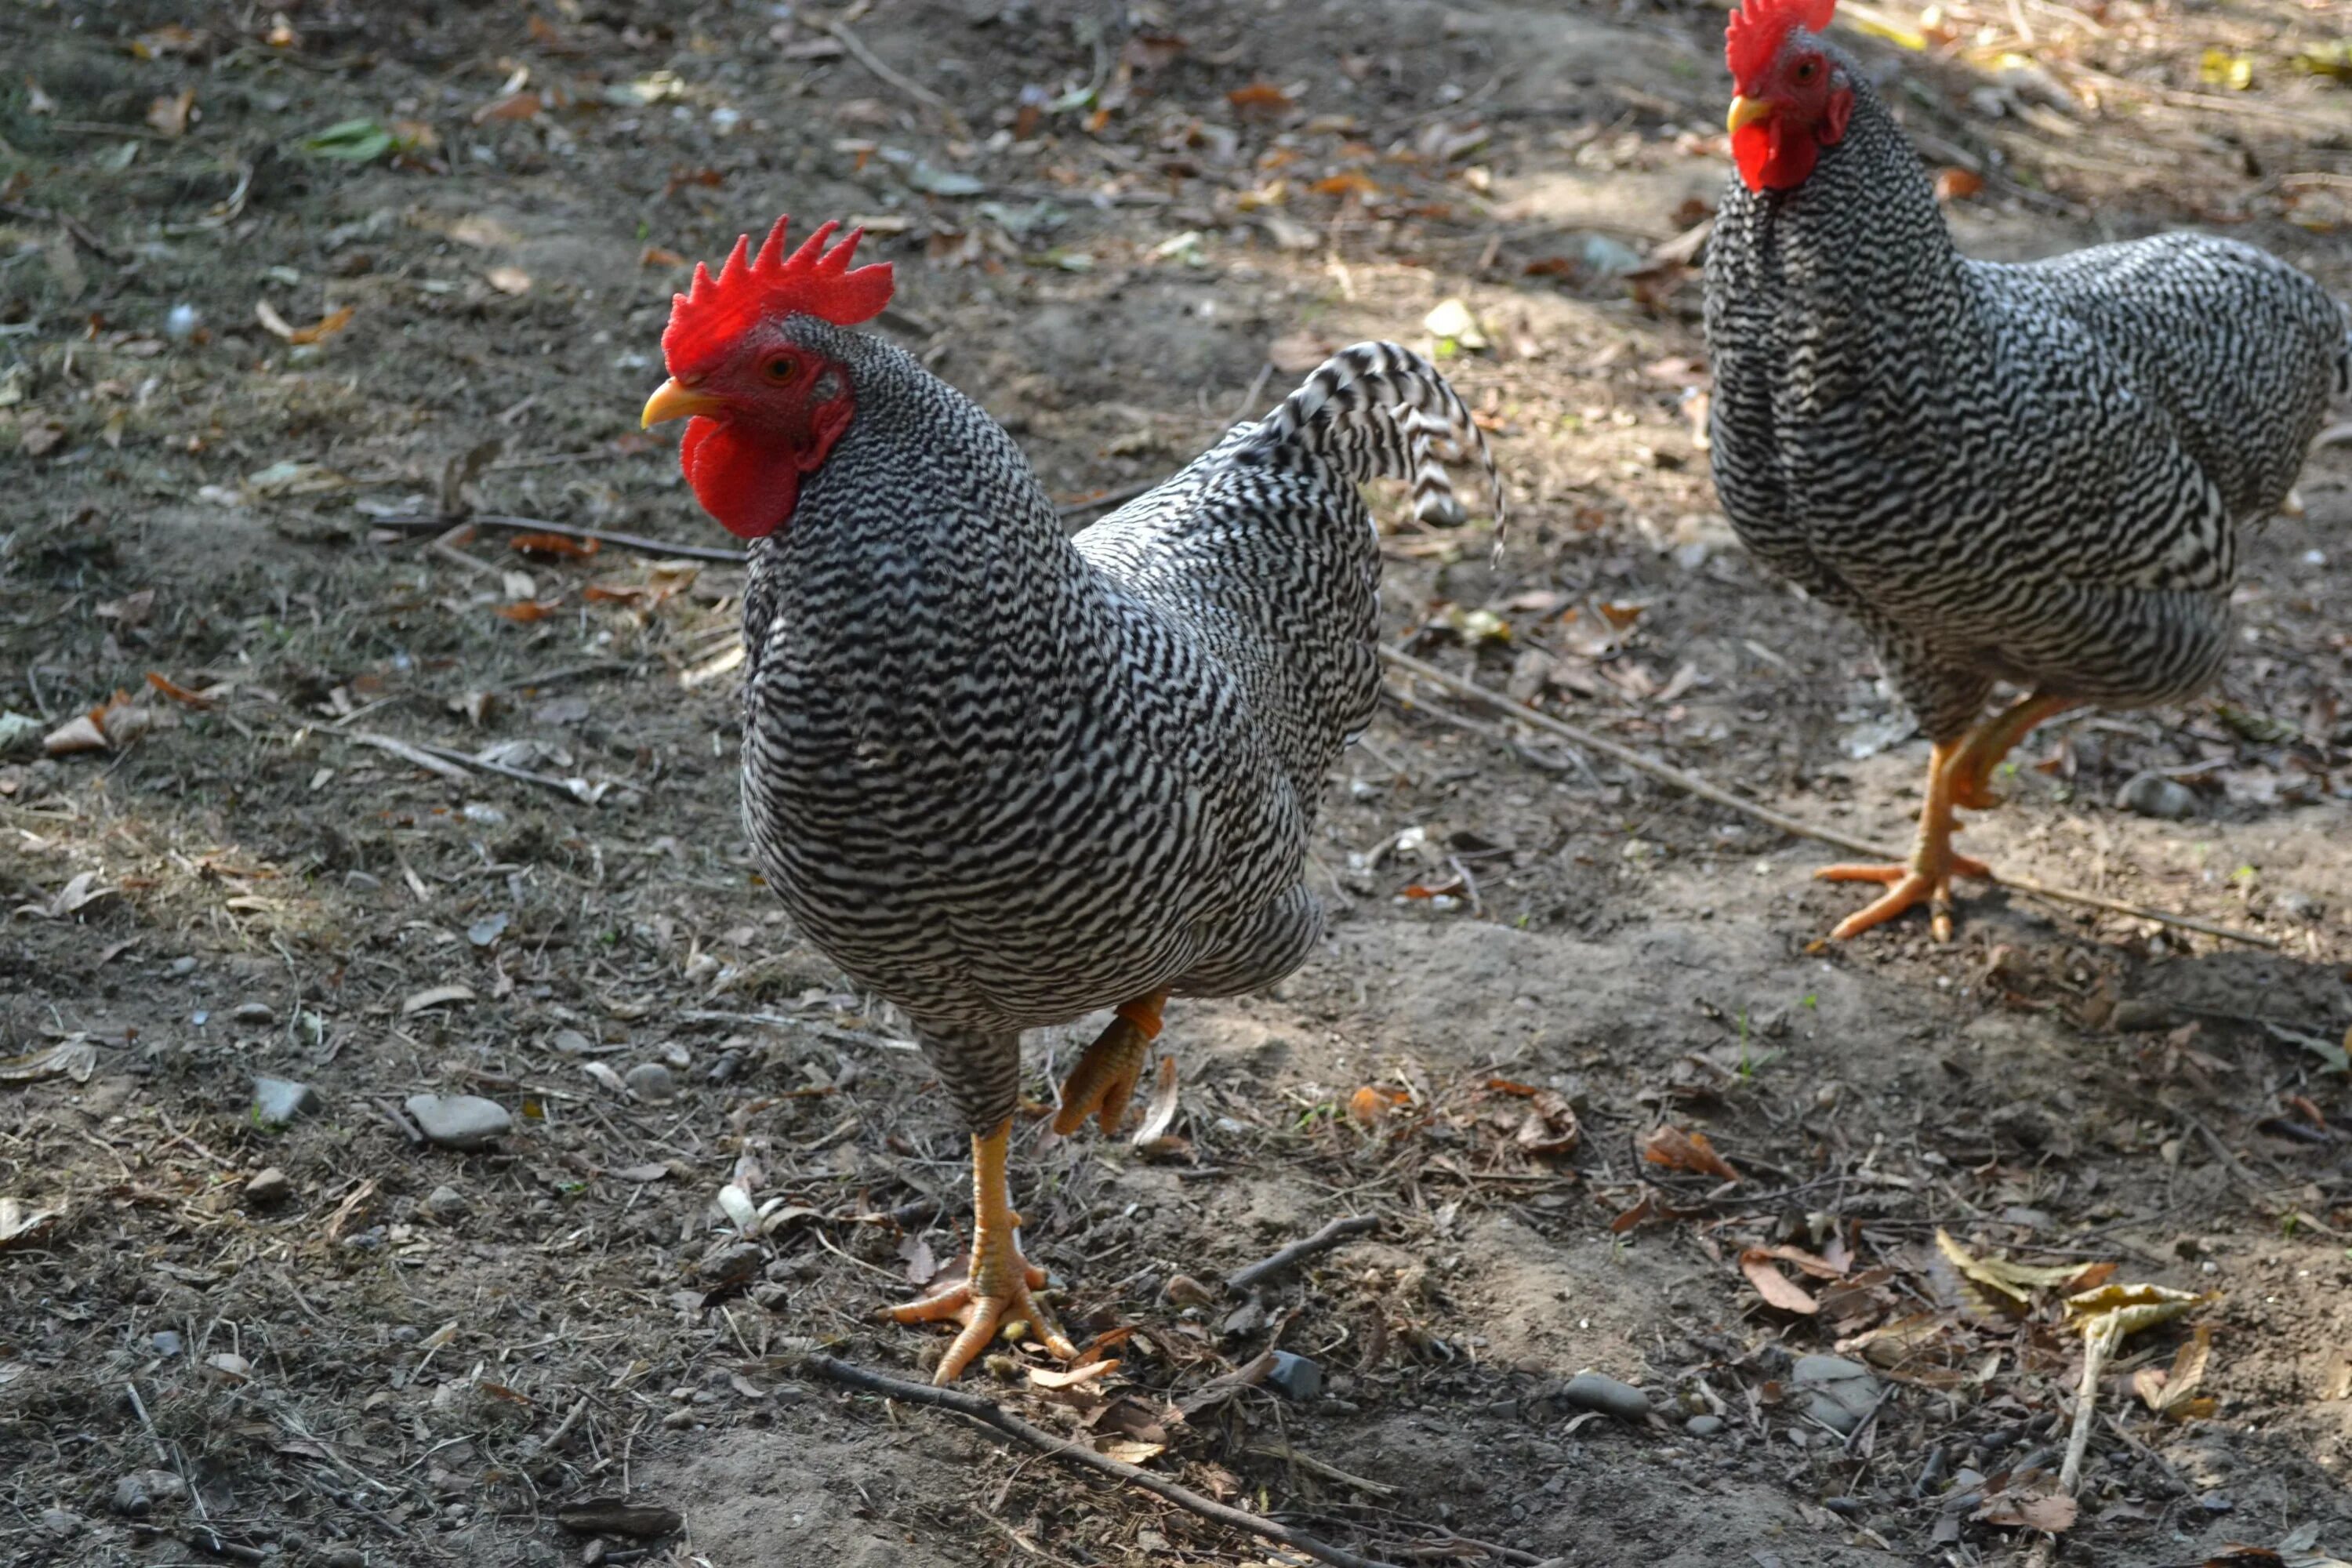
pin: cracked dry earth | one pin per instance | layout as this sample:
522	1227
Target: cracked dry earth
223	1338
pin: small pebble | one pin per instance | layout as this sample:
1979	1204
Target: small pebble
2153	794
1294	1377
137	1493
458	1121
181	967
166	1342
1593	1391
1844	1392
267	1189
2135	1016
447	1204
345	1557
651	1081
1849	1507
255	1013
724	1069
1703	1426
180	322
278	1100
61	1523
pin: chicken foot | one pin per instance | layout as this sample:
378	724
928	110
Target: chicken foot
996	1287
1104	1078
1927	877
1982	749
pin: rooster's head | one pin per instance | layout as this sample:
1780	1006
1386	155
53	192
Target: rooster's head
1792	96
765	404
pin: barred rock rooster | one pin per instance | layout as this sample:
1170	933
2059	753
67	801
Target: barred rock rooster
1004	777
2030	474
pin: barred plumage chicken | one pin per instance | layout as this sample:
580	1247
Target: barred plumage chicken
2032	474
1004	777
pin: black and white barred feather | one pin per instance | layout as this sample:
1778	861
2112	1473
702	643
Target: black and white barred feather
2033	473
1005	777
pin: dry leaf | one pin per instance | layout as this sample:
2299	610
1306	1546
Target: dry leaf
513	106
81	891
1956	185
170	115
1368	1104
2131	1306
2173	1392
553	544
1776	1288
1128	1452
2017	1281
1680	1151
1550	1128
75	1058
77	734
507	279
177	692
528	611
1071	1377
434	996
1263	97
2052	1513
1160	1114
279	326
21	1226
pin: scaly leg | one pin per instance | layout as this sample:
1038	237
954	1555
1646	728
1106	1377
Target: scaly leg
1929	877
1104	1078
1983	748
997	1286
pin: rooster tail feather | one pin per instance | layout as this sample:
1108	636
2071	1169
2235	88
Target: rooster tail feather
1377	410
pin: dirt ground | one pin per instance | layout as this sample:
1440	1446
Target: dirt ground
283	292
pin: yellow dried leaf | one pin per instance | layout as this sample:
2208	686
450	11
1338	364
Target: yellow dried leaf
2017	1281
2131	1308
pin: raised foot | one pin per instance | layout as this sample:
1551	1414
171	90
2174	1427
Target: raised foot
1907	887
1104	1081
982	1312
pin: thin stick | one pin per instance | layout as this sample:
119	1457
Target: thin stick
989	1414
1690	784
1323	1240
2097	1345
873	62
636	542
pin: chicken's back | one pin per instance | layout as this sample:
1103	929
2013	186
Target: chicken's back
2240	351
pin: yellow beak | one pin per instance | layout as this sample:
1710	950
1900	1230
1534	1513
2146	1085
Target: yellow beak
674	400
1747	111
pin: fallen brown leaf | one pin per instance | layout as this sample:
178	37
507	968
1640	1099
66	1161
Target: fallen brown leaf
1679	1150
1777	1289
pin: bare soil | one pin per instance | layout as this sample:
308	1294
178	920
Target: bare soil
1107	224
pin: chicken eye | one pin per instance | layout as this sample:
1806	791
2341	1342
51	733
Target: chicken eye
783	368
1808	70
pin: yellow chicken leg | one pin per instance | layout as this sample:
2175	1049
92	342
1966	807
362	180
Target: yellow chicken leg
996	1287
1982	749
1928	878
1104	1078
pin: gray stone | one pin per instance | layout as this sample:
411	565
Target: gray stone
20	734
2135	1016
2153	794
1594	1390
447	1204
136	1494
267	1189
258	1014
1841	1393
651	1081
1294	1377
166	1342
1703	1426
460	1120
278	1100
61	1523
345	1557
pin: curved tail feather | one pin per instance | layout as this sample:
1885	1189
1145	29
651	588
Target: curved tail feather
1377	410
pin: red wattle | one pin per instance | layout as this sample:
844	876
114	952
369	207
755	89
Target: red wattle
749	488
1772	157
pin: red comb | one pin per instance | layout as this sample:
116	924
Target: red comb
1760	27
813	279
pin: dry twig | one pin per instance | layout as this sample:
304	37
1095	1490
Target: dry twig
1691	784
501	520
873	62
988	1412
1323	1240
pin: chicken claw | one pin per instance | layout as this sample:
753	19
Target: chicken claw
1104	1078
